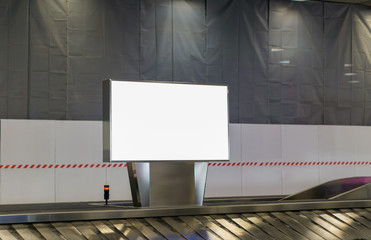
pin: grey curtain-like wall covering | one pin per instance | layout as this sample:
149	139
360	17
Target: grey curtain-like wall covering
284	61
14	52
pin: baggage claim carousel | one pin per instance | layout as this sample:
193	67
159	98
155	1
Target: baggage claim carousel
339	209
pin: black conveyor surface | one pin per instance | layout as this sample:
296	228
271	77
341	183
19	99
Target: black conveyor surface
219	218
307	224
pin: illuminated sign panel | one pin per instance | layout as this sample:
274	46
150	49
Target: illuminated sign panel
155	121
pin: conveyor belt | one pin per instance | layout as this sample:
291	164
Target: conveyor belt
307	224
89	211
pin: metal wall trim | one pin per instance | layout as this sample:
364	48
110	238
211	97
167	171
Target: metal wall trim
118	212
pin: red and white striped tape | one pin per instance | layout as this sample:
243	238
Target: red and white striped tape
328	163
212	164
43	166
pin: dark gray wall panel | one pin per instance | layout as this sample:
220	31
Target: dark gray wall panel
222	49
164	40
253	62
295	62
338	57
237	55
14	59
86	57
103	42
156	40
149	38
189	41
361	66
48	60
284	61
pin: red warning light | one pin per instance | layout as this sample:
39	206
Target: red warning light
106	193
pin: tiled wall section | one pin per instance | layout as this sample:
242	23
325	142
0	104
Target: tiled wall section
27	142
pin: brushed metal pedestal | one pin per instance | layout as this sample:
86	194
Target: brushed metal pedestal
164	184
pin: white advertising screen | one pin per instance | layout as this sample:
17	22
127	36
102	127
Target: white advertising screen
152	121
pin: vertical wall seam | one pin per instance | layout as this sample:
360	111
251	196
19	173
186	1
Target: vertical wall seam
67	62
104	44
238	58
172	40
206	50
351	85
319	128
241	157
8	64
140	39
104	53
28	59
364	93
222	59
1	160
323	64
269	60
49	88
351	60
156	42
281	168
55	160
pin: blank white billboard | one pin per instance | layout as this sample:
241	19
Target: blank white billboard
155	121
